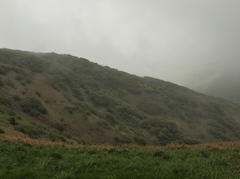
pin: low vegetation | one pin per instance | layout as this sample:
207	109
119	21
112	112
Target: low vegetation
23	160
33	107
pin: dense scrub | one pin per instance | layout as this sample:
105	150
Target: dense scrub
33	107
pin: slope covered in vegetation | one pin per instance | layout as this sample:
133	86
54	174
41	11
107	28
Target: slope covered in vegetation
70	99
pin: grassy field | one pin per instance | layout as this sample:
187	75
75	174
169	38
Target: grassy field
23	160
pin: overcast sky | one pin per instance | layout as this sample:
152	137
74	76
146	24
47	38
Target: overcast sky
188	42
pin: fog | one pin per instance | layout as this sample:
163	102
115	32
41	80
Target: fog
194	43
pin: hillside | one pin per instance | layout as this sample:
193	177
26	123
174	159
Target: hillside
70	99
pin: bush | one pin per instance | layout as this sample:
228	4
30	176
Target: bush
162	154
165	131
56	156
140	140
111	118
38	66
102	99
10	83
5	102
3	70
16	97
1	82
152	107
38	94
159	153
20	129
191	141
77	94
128	110
23	79
2	131
19	77
33	107
116	138
12	121
104	124
125	139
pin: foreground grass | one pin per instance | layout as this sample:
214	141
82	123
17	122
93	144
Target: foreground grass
21	160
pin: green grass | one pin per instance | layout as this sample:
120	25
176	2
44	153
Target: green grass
19	160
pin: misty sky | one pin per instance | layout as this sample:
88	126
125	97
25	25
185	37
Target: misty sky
189	42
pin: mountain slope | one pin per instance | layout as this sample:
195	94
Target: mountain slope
65	98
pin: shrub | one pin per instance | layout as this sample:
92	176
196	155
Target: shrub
21	129
162	154
34	112
42	109
126	139
111	118
104	124
191	141
12	121
16	97
101	99
56	156
71	109
1	82
38	94
77	94
88	108
3	70
140	140
159	153
5	102
33	107
129	110
116	138
19	77
2	131
24	92
38	66
10	83
23	78
152	107
165	131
